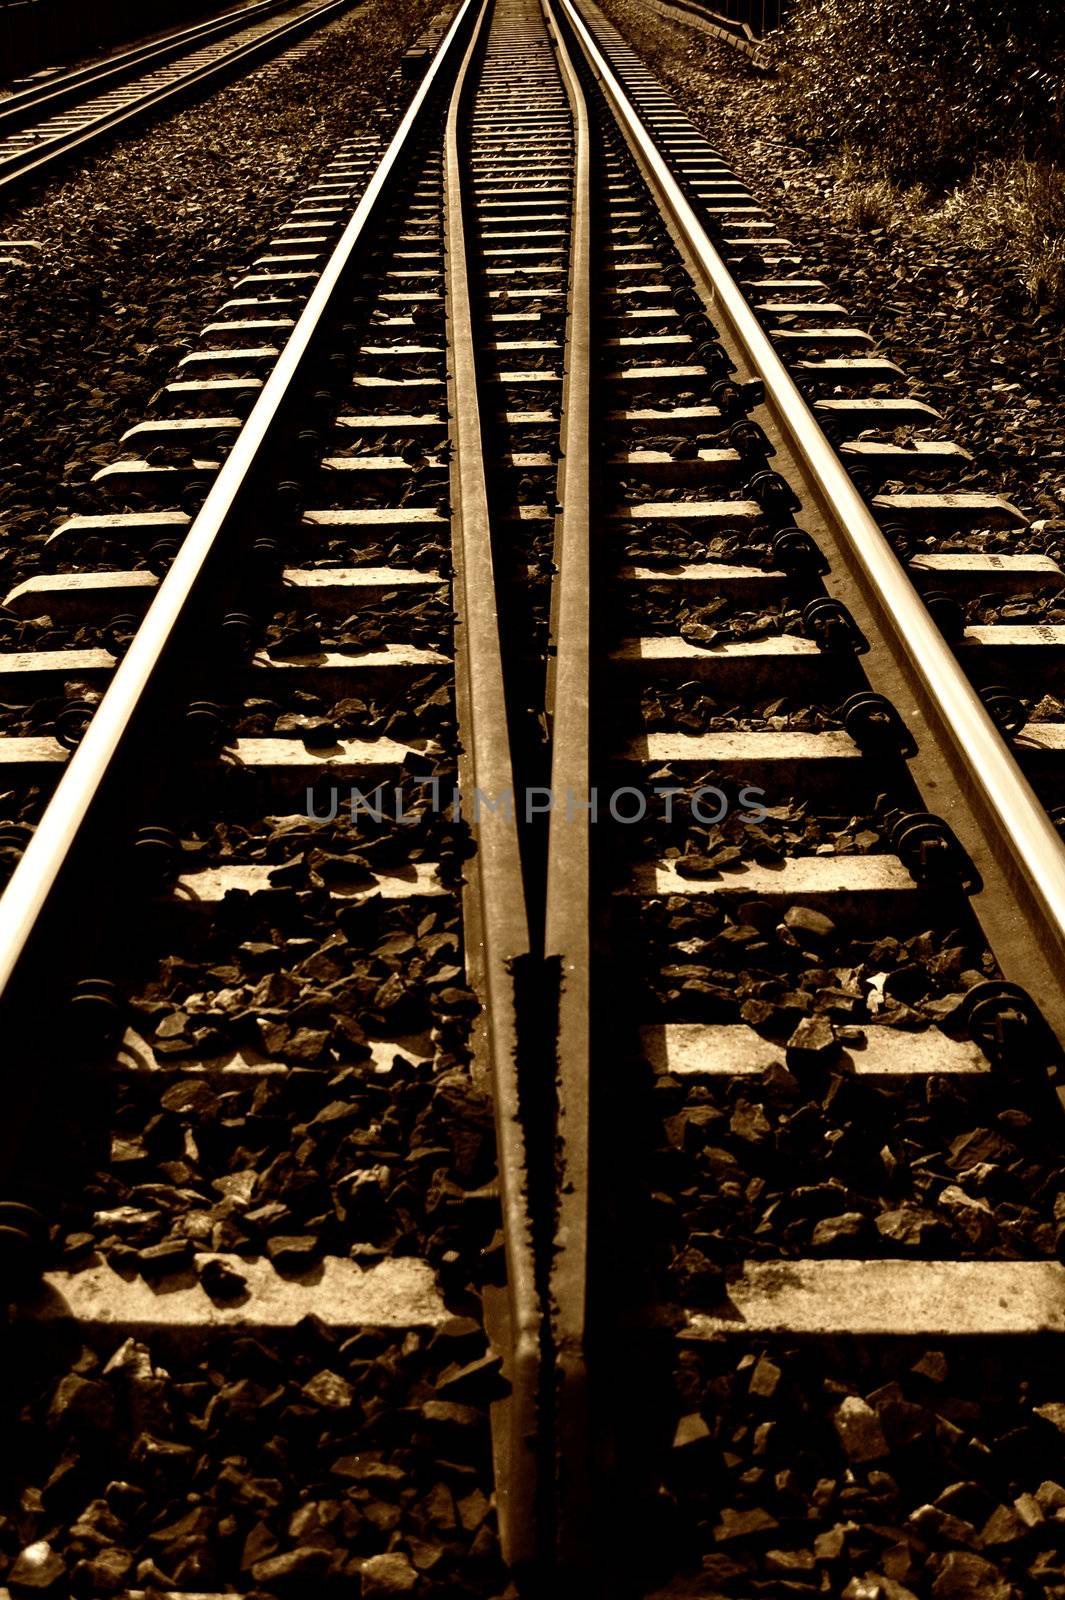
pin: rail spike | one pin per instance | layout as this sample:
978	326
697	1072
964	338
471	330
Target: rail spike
932	851
1003	1019
875	724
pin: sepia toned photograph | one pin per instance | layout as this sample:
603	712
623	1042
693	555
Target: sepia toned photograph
532	821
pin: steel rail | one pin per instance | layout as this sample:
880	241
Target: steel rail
31	105
494	901
993	809
567	938
58	833
21	170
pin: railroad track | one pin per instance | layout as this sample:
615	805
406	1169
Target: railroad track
626	1022
47	125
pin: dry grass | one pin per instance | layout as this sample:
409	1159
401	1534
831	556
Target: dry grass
1014	211
872	205
878	202
1017	210
873	200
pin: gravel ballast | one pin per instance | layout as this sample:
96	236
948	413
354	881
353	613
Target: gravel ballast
326	1464
893	1471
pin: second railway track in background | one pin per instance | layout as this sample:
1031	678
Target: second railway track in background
46	125
744	933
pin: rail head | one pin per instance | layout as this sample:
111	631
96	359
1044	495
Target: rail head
1021	855
31	164
494	913
567	930
45	99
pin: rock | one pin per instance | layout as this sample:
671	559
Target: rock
969	1577
329	1390
107	1572
387	1575
722	1164
192	1096
904	1562
697	1281
786	1561
974	1218
38	1569
859	1430
97	1525
460	1338
750	1124
425	1556
293	1252
306	1561
150	1576
981	1147
364	1469
719	1568
162	1260
691	1430
1050	1496
804	922
382	1517
164	1455
829	1546
258	1546
1002	1527
66	1486
185	1535
1053	1412
306	1045
845	1235
901	1421
127	1154
472	1510
81	1405
757	1013
125	1500
740	1524
876	1586
133	1361
76	1246
1029	1510
911	1229
478	1381
933	1366
933	1521
220	1280
811	1202
440	1508
448	1414
814	1040
764	1378
778	1084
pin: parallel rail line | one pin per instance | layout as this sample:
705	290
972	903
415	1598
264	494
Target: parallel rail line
549	348
45	127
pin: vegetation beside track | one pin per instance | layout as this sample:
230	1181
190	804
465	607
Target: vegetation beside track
953	311
949	117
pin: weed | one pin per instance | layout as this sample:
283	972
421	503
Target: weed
1015	209
924	90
